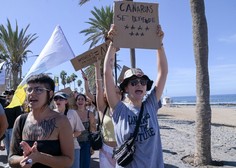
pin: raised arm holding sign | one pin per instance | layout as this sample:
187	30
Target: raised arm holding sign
135	84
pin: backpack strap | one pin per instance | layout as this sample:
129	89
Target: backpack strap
66	111
22	120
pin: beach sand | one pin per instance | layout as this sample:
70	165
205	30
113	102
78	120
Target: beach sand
177	127
220	115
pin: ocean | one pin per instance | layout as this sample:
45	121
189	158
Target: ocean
221	100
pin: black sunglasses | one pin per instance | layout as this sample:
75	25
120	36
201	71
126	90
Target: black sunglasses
135	82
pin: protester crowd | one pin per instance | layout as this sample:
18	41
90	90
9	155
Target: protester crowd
51	132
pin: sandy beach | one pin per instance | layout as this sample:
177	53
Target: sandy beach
177	126
178	136
220	115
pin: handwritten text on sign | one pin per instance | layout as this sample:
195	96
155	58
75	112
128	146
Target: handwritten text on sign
90	57
136	25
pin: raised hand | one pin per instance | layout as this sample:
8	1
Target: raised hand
160	33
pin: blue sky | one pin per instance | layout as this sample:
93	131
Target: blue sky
175	18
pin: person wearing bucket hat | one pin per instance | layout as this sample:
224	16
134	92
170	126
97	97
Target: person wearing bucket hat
135	73
62	106
148	148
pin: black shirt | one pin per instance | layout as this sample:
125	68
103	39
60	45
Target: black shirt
12	114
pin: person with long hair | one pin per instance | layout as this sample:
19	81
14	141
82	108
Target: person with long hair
109	142
42	137
89	122
62	106
135	85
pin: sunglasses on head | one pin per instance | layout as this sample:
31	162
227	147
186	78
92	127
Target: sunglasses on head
58	98
136	81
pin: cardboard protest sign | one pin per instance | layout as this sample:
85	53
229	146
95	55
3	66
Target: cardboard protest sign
136	25
90	57
121	77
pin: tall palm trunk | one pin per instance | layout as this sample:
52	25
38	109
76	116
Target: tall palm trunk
14	79
132	52
202	154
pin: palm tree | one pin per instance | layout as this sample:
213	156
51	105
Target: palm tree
79	83
132	50
202	154
68	80
90	72
100	25
81	2
63	78
73	78
13	49
98	31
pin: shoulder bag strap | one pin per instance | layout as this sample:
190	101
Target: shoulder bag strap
88	120
104	113
22	120
101	123
137	124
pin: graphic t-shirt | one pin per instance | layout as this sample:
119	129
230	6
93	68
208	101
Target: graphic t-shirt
148	151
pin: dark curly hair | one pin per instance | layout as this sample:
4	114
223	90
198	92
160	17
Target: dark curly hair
44	79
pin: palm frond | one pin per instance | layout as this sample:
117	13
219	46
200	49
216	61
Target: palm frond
99	25
81	2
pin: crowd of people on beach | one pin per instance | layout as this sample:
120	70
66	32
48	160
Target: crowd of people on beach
51	132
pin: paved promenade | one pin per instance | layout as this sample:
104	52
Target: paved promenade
94	160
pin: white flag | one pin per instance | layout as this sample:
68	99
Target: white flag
56	51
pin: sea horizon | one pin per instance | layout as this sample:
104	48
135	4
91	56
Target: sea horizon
219	99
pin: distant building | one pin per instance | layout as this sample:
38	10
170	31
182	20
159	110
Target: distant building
166	101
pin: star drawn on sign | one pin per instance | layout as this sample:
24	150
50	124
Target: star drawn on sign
131	33
140	28
126	26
